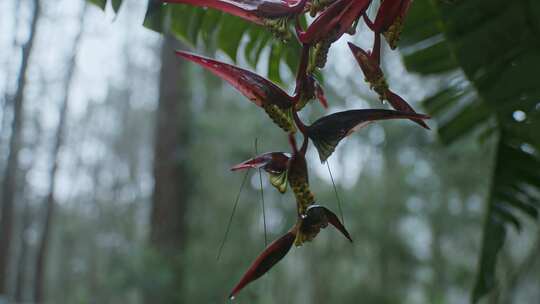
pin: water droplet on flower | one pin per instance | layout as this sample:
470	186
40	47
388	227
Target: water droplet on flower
231	298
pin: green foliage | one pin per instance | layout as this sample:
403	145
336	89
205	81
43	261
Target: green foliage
496	44
103	4
220	31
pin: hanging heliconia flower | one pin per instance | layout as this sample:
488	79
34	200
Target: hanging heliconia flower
333	19
306	229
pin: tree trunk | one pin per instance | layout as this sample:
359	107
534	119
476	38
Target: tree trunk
39	282
167	221
20	279
10	177
7	101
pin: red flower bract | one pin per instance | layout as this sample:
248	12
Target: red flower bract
328	131
259	90
369	63
390	19
256	11
266	260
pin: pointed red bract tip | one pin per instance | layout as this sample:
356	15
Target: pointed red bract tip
400	104
254	163
334	220
256	88
265	261
242	167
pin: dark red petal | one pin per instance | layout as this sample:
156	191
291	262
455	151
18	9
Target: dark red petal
265	261
326	22
280	9
256	88
387	14
400	104
369	65
274	162
328	131
254	10
334	220
335	21
356	11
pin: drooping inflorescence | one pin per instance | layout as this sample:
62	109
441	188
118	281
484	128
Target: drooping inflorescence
333	19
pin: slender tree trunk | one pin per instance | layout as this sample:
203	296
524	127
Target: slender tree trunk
7	101
10	177
20	279
167	222
39	282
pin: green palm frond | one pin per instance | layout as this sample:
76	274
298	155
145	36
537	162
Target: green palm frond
495	47
219	31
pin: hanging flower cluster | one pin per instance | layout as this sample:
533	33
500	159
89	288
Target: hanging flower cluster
333	19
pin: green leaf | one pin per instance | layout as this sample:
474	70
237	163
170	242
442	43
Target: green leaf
116	5
103	4
485	40
230	35
219	31
273	63
99	3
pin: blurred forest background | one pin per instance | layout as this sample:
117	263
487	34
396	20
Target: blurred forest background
115	157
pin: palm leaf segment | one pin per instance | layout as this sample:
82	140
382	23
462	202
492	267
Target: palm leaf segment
495	45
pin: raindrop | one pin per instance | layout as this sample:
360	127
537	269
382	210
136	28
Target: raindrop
519	116
527	148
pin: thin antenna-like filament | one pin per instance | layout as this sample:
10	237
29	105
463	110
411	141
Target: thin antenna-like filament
232	214
262	196
336	192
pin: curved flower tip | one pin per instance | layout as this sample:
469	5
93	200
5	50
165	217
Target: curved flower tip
274	163
375	77
265	261
316	218
255	87
371	69
328	131
259	90
400	104
334	221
